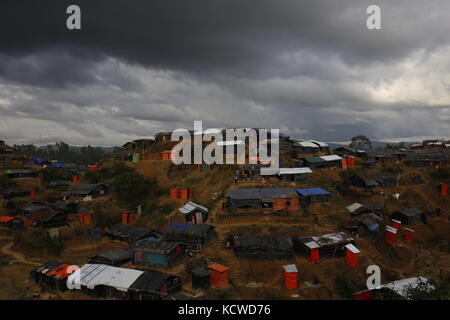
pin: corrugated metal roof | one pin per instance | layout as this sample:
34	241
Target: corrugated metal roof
191	207
312	192
307	144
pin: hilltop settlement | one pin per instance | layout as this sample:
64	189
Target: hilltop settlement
134	225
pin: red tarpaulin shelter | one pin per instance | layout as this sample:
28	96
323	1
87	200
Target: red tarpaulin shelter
391	235
290	276
218	275
351	255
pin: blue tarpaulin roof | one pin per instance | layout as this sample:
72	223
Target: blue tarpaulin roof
56	165
312	192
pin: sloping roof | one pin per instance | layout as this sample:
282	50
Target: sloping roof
307	144
84	188
191	207
149	281
277	193
255	242
261	193
290	268
130	232
218	267
332	157
114	255
401	286
158	246
320	144
352	248
314	160
92	275
353	207
188	228
305	192
332	238
243	194
411	212
294	170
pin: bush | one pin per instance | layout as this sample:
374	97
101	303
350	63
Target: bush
345	287
441	174
131	188
5	183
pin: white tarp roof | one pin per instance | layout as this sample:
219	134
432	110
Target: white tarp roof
191	206
332	157
294	170
92	275
290	268
390	229
307	144
289	171
321	144
352	248
353	207
401	286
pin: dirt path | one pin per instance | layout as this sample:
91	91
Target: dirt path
18	257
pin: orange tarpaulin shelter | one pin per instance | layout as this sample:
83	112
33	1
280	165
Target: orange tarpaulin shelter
443	189
85	218
166	155
344	164
391	235
177	193
33	193
128	217
350	162
75	179
351	255
290	276
218	275
6	219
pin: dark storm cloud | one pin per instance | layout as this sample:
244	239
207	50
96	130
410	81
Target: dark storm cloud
308	67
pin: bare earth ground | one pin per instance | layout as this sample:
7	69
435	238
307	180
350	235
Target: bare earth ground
426	256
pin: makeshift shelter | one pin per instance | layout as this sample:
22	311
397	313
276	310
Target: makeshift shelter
33	161
290	276
313	195
219	275
194	213
128	233
409	216
58	184
443	189
351	255
394	290
128	217
11	223
386	179
305	147
166	155
52	275
328	245
14	193
298	175
42	215
362	181
258	247
390	235
194	236
408	234
263	200
116	257
200	278
20	173
154	285
357	209
158	253
85	190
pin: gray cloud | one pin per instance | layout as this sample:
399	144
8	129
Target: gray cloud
308	67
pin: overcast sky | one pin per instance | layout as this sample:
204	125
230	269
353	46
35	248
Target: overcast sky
308	67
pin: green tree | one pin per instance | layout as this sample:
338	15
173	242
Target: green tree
360	142
131	188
